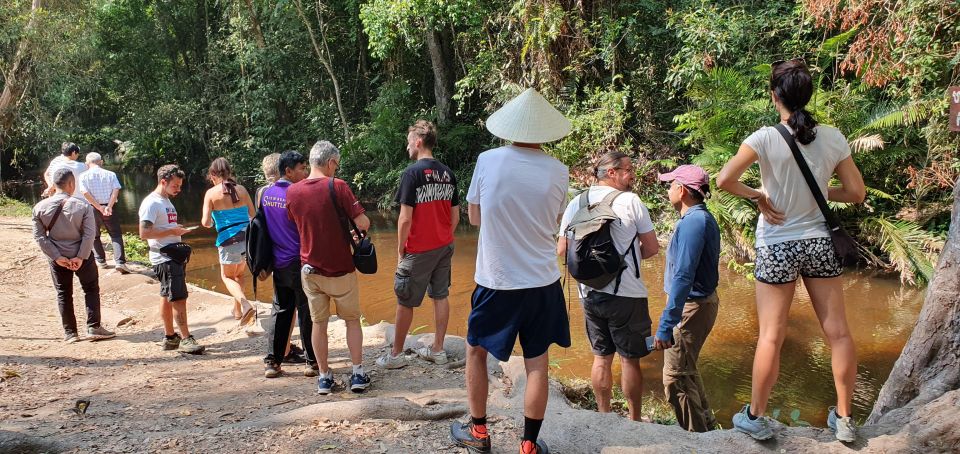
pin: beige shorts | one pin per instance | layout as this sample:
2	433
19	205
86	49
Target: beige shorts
342	291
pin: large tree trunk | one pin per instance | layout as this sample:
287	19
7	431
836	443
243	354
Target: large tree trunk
929	365
440	45
17	78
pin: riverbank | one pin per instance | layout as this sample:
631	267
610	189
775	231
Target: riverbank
144	399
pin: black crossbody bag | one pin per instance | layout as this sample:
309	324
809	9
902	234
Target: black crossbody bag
843	244
364	254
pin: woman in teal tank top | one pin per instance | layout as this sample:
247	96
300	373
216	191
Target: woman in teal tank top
227	207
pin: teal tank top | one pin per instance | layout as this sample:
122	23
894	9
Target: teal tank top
230	222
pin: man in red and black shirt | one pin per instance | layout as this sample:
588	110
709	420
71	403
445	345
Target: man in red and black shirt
429	213
328	274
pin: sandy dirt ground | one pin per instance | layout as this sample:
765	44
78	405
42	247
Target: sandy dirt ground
144	399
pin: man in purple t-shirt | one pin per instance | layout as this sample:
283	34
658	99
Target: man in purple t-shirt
288	295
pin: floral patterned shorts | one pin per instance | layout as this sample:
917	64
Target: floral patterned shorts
784	262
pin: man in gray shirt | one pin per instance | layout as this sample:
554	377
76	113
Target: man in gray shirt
64	228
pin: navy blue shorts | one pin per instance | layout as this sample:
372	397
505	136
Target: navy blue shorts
538	315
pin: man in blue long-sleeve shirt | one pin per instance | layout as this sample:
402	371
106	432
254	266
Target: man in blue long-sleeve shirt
690	281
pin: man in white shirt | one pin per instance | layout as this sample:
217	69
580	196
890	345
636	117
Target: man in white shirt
617	315
521	192
101	187
69	153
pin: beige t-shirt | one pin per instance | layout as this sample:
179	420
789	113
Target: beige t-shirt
784	184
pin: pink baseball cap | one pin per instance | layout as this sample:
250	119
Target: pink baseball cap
691	176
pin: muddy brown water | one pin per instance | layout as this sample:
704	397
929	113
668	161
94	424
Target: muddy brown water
881	313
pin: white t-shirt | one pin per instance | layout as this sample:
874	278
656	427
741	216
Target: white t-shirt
521	192
161	212
784	184
76	167
634	220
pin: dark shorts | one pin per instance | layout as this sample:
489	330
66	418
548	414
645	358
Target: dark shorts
173	280
537	315
426	272
616	324
784	262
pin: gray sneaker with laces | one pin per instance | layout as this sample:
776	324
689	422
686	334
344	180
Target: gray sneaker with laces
171	343
99	333
843	427
190	345
388	361
758	428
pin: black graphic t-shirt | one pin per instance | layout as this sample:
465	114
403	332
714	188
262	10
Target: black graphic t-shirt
431	189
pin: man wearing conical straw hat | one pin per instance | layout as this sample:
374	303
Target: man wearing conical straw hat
520	193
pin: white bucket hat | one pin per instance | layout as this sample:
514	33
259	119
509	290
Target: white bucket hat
528	118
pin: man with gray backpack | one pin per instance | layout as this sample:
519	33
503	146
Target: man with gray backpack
604	233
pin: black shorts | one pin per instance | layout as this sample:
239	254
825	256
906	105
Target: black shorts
537	315
616	324
173	280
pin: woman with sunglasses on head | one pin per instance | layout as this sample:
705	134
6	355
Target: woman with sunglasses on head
793	241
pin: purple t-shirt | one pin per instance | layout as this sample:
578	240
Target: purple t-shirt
283	232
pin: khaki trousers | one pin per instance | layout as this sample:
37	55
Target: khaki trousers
681	378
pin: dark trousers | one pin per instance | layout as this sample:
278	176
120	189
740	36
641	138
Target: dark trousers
681	377
112	224
89	281
288	296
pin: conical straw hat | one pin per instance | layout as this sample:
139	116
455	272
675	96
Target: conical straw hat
528	118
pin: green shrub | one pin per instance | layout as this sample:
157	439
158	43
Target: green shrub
14	208
135	248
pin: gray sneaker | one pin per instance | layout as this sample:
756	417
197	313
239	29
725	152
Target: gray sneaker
99	333
428	354
172	343
758	428
71	338
122	268
190	345
388	361
843	427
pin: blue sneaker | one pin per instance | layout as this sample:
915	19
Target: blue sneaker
359	382
325	384
758	428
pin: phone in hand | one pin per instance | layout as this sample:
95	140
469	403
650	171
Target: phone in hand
650	343
192	227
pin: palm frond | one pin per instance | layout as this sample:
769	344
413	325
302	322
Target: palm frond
878	193
911	114
909	248
867	143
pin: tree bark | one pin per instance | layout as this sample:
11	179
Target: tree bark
279	103
17	78
929	365
440	46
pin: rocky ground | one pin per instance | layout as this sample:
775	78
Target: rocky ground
144	399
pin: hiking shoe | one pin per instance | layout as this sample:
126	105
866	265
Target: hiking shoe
99	333
190	345
296	356
529	447
466	435
325	384
428	354
102	265
312	370
388	361
71	338
122	268
271	369
758	428
359	382
843	427
171	343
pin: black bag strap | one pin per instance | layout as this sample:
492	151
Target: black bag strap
56	215
344	219
832	222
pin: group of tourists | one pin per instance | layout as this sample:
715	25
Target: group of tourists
518	197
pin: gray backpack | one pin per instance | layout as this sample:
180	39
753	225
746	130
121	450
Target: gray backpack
592	257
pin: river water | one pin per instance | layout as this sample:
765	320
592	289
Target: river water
881	314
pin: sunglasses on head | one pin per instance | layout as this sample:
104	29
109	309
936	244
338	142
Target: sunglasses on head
795	60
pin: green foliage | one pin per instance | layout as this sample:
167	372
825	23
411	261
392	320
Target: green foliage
14	208
580	393
135	248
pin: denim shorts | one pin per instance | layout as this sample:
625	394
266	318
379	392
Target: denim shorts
233	254
537	315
